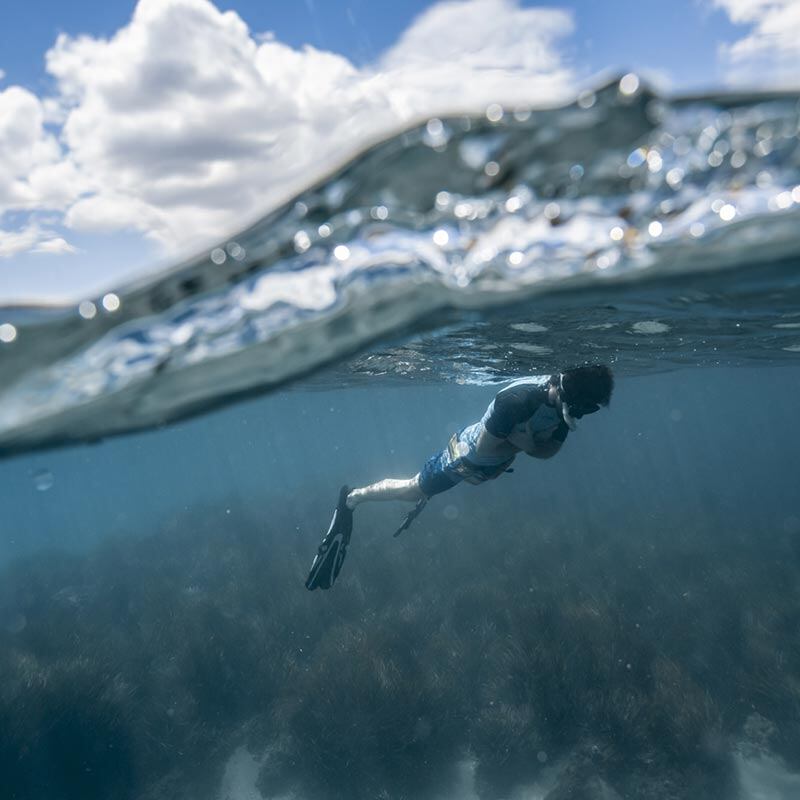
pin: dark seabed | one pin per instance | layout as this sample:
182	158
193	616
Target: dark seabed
622	621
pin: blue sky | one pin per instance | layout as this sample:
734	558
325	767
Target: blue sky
92	190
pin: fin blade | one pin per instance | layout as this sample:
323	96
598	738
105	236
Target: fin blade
332	551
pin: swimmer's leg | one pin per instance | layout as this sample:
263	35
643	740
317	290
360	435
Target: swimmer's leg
387	489
435	477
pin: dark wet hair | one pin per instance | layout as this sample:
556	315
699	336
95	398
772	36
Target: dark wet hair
590	385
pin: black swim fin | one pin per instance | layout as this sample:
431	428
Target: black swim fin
331	553
411	516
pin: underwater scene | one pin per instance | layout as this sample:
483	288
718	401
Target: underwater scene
615	617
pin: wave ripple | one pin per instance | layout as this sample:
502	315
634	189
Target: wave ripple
620	188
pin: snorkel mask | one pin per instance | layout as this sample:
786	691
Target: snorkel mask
573	412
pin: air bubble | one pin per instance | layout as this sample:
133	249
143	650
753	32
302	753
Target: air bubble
738	159
697	229
763	148
235	250
302	241
654	161
442	200
552	211
464	210
675	177
450	512
494	112
629	85
435	134
7	333
111	302
43	480
764	179
434	128
87	309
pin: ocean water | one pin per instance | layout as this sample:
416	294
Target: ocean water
620	621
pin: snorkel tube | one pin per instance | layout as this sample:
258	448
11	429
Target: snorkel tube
572	423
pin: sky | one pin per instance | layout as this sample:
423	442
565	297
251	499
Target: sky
134	134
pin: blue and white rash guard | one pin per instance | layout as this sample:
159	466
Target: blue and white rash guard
520	407
519	416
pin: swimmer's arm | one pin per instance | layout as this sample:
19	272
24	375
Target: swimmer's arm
550	446
509	407
490	445
545	449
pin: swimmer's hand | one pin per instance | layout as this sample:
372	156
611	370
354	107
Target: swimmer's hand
548	442
540	437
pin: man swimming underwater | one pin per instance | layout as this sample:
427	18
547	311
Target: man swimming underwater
532	415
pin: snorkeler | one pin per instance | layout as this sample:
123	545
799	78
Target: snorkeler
532	415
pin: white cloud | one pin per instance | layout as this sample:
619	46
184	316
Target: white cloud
465	54
33	172
55	245
185	126
769	55
459	35
32	238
